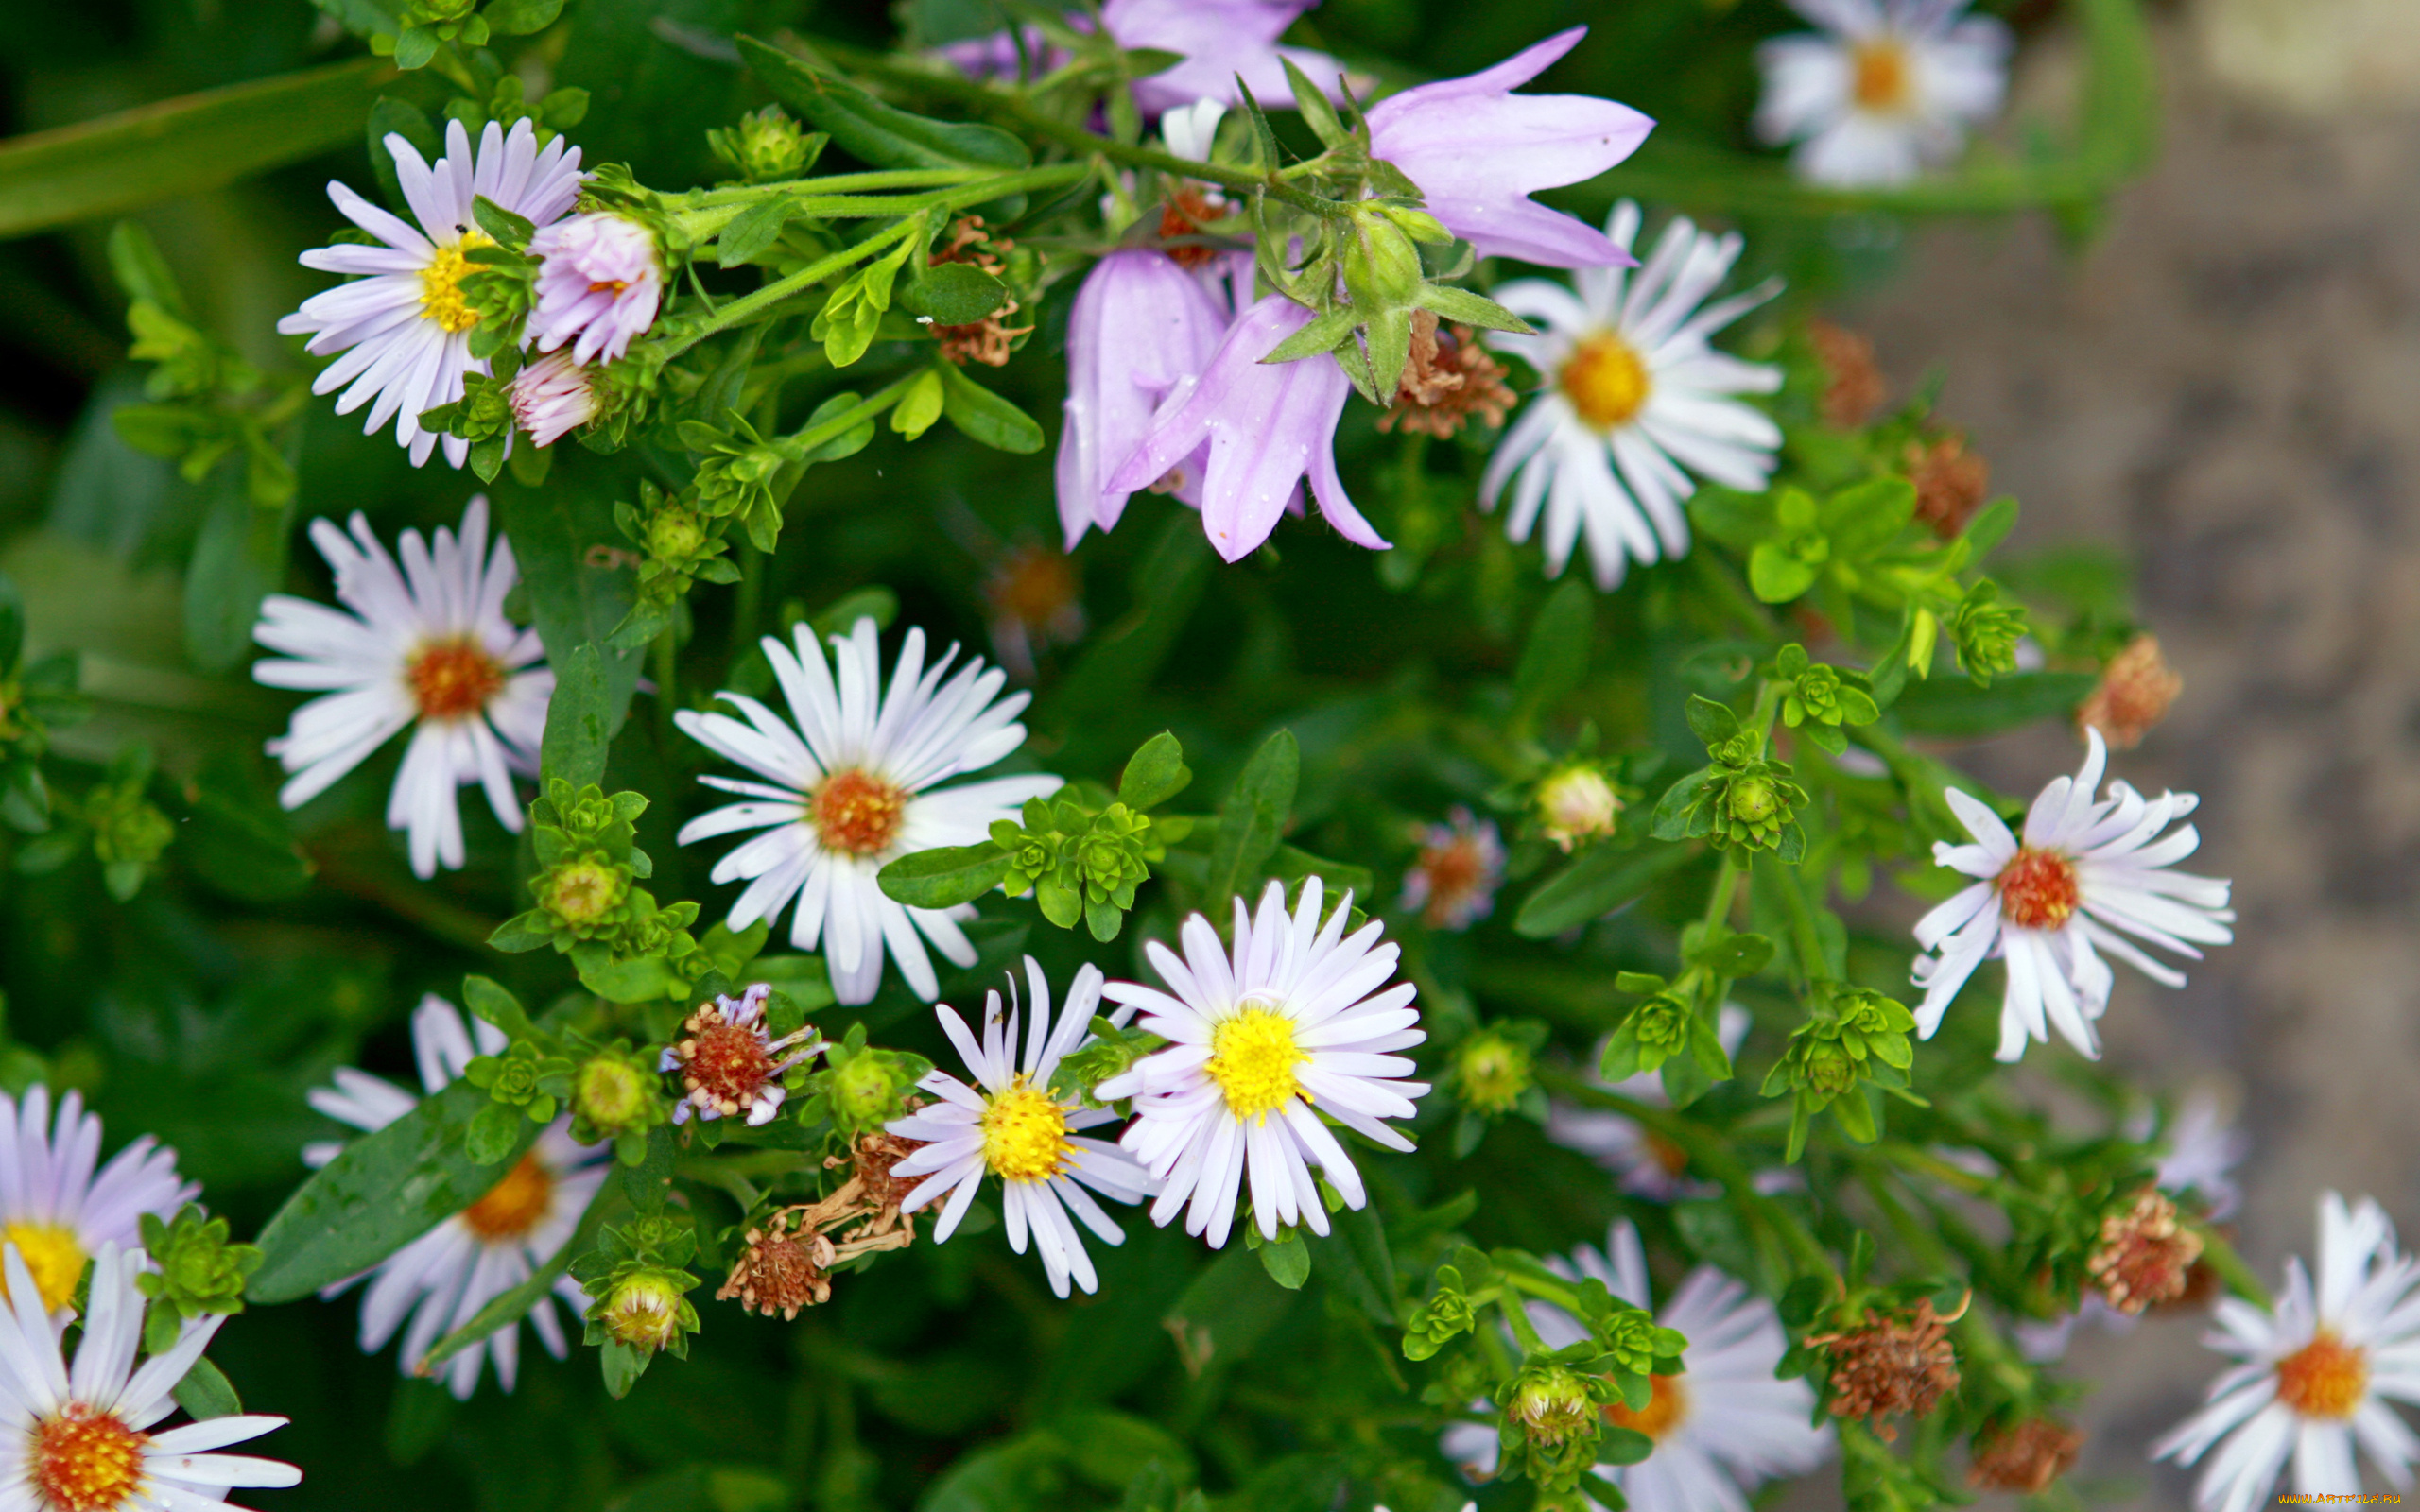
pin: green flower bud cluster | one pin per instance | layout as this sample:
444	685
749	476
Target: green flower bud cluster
738	477
1554	1415
1665	1033
588	906
423	26
523	1078
1447	1315
1985	629
618	1096
483	416
1822	698
199	1273
1854	1037
507	104
187	361
1739	799
860	1087
766	146
641	1309
678	546
128	832
1107	1052
1495	1071
1080	864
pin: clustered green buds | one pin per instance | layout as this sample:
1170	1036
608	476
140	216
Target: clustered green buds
1553	1417
1080	864
766	146
738	476
679	545
198	1273
860	1087
128	832
523	1078
426	25
1667	1032
483	416
1446	1314
1108	1053
1495	1071
618	1096
1854	1037
641	1308
1985	629
1822	698
1739	799
587	905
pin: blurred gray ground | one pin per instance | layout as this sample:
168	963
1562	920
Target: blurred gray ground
2227	387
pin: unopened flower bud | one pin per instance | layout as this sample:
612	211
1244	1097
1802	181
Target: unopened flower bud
1490	1071
646	1308
865	1090
610	1094
1753	801
1553	1404
1381	265
552	398
1578	804
1829	1069
764	147
582	893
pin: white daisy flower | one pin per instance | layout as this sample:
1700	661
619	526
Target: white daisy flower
83	1433
405	319
849	788
2313	1376
1722	1427
1293	1019
425	648
440	1280
2049	906
1014	1128
1887	88
1646	1163
56	1208
1637	404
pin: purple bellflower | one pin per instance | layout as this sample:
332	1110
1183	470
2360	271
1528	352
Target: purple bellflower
1478	151
1140	326
1217	40
1267	424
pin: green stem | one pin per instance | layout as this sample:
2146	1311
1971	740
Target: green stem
1509	1302
748	306
837	183
666	665
2231	1270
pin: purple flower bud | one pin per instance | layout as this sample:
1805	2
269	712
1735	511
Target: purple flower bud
1478	151
1140	326
599	279
550	397
1266	424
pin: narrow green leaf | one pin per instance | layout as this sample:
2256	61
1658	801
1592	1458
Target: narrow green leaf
1320	335
142	272
578	722
1600	881
381	1193
1153	775
1953	705
511	1306
752	230
508	228
946	876
874	132
1253	819
493	1005
206	1392
574	599
1451	303
519	18
1555	659
984	416
238	559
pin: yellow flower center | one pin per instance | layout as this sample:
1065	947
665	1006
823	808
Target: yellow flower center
1665	1411
1882	77
85	1461
513	1206
2325	1378
440	284
1605	380
1025	1135
53	1255
1252	1057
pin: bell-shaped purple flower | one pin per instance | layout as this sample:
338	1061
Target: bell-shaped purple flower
1267	425
1478	151
1140	326
1217	39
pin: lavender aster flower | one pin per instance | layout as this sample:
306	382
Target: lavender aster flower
1478	151
1266	425
550	397
599	279
1140	326
1218	38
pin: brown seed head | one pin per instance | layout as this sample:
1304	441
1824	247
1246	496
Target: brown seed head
1184	216
783	1269
2027	1458
2144	1255
1891	1364
2135	689
1852	384
1950	482
1449	379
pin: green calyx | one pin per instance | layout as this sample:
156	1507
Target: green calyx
861	1087
616	1096
586	905
636	1274
1985	629
766	146
524	1077
1494	1069
1853	1037
198	1273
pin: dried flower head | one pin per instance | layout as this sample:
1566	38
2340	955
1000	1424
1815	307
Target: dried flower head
1449	379
871	1161
2135	689
1186	213
2027	1458
2144	1255
988	340
1853	388
786	1266
1890	1366
1950	482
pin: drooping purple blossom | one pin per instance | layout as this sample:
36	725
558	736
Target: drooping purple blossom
1217	40
1140	326
599	280
1478	151
1267	425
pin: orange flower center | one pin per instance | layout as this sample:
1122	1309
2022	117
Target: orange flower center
730	1062
2037	889
1605	380
2325	1378
1454	869
856	811
1035	586
1882	81
1665	1411
86	1461
513	1206
453	679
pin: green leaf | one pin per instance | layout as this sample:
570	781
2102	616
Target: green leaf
508	228
1253	819
1671	820
493	1005
238	559
1953	705
1312	102
1712	723
142	272
493	1134
946	876
645	979
181	147
1363	1268
1600	881
1776	575
1555	661
205	1392
1733	955
874	132
752	230
382	1192
954	294
1287	1260
1153	775
623	1365
1449	302
918	406
577	732
511	1306
519	18
574	599
984	416
1320	334
1989	528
